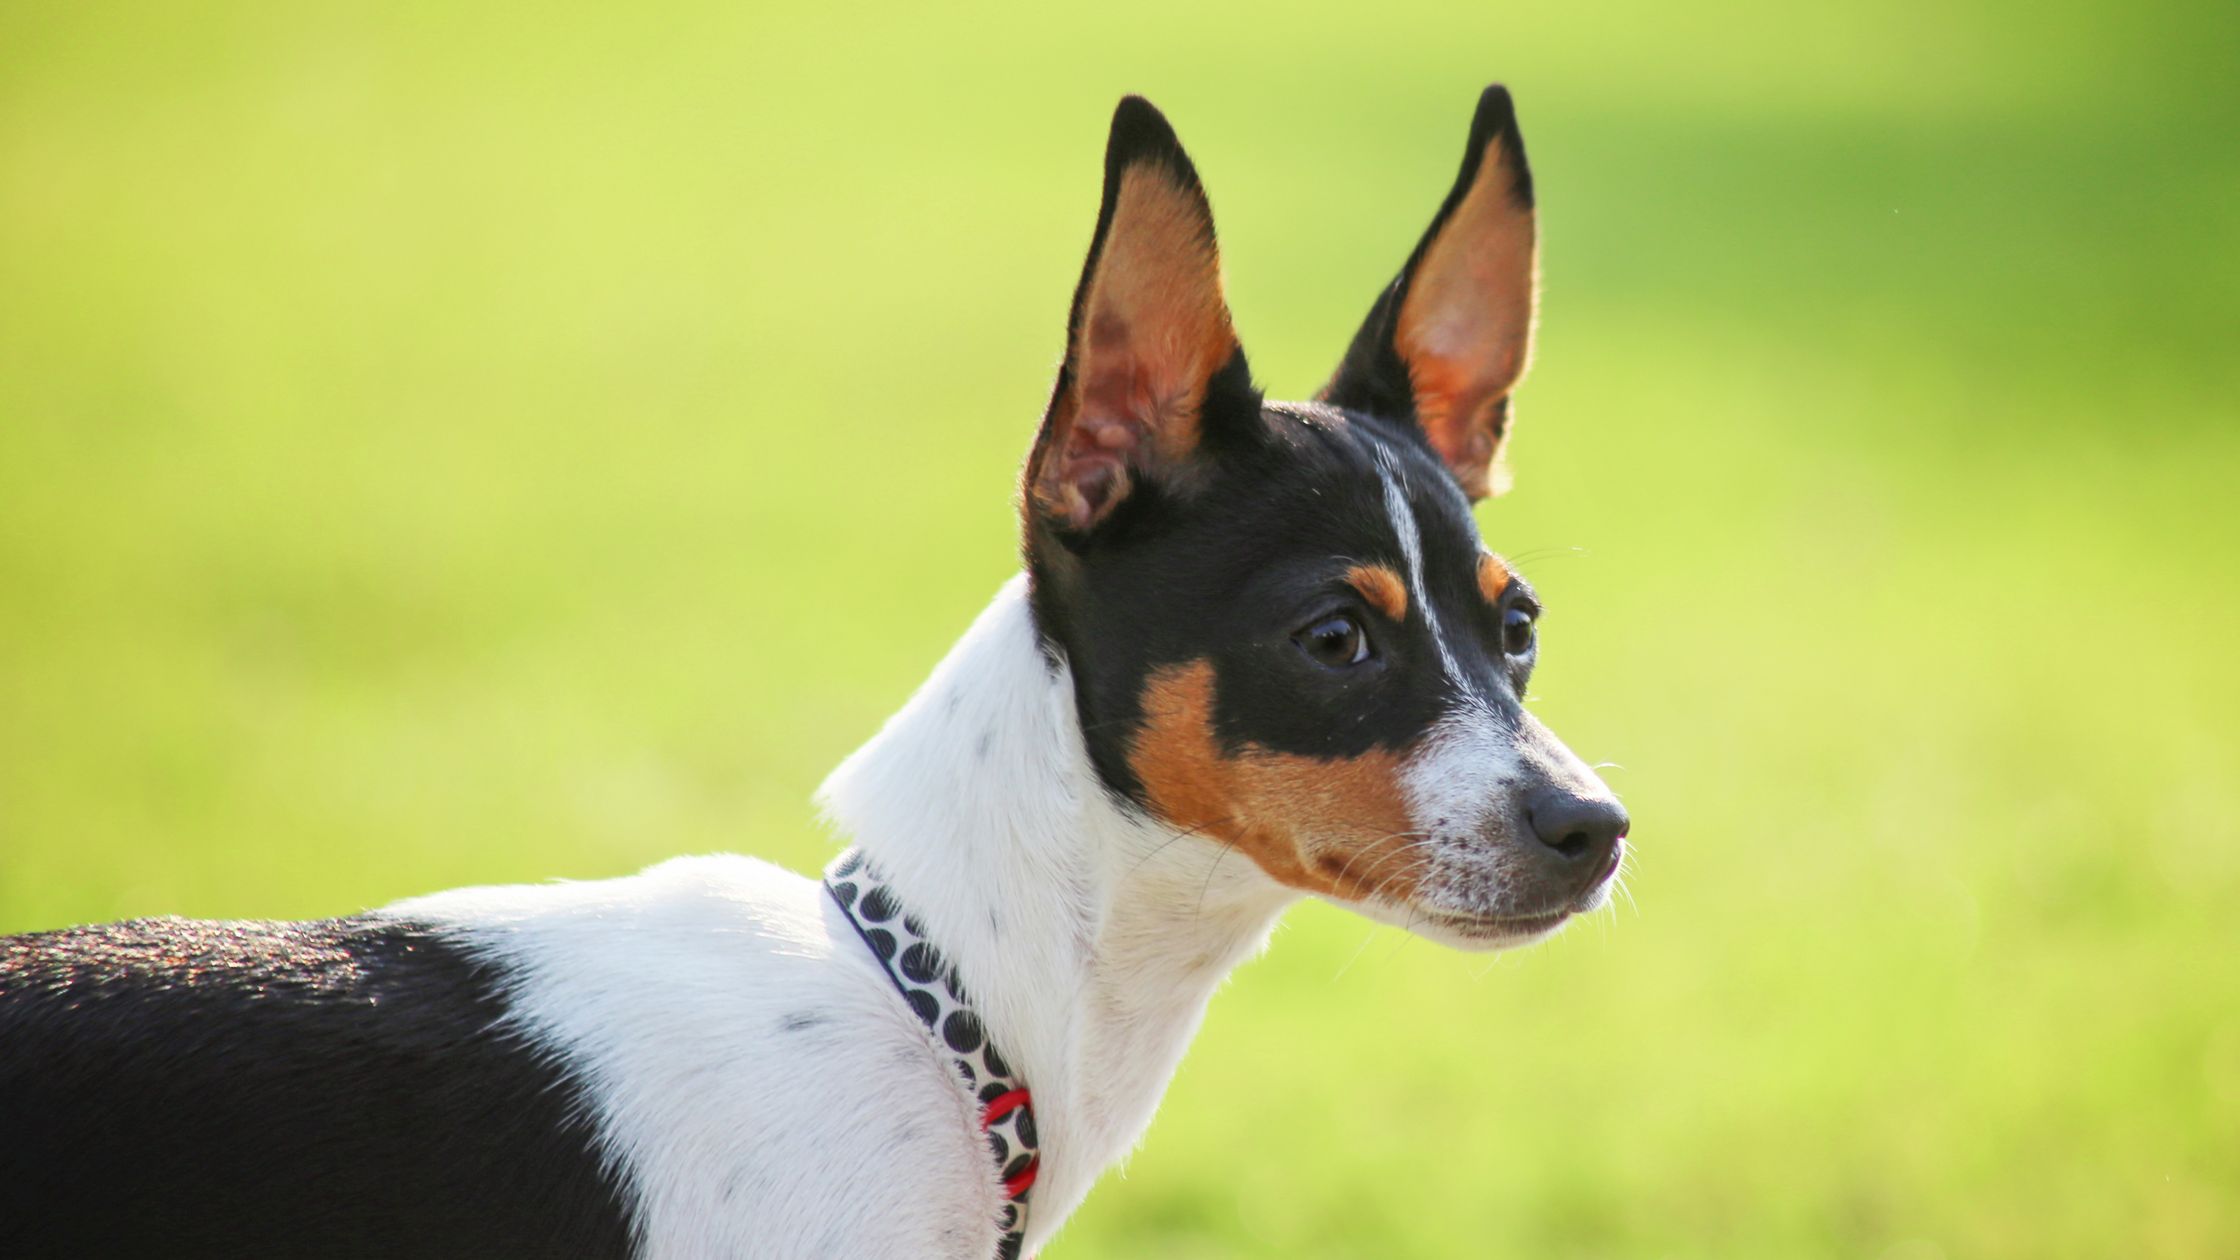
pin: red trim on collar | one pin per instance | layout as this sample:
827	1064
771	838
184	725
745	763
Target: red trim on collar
1003	1105
998	1107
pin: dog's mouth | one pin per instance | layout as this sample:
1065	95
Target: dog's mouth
1502	927
1522	927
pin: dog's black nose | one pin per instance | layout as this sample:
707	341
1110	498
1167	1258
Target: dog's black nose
1582	830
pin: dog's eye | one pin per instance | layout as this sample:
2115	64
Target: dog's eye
1334	642
1516	630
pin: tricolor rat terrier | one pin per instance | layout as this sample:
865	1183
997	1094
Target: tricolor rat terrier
1258	651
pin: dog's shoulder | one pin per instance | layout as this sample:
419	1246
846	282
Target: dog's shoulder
747	1062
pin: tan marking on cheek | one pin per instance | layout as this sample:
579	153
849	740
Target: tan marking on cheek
1493	578
1331	825
1345	816
1174	755
1382	588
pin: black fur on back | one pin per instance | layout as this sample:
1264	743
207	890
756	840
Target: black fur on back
335	1089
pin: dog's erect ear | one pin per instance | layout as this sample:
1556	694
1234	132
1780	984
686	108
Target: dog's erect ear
1149	346
1450	337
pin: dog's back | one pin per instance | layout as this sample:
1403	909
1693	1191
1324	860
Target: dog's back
174	1087
697	1060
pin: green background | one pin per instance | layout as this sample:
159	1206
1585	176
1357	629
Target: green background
461	443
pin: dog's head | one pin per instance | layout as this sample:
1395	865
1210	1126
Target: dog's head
1283	628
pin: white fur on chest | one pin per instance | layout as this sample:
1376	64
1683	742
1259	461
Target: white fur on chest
757	1083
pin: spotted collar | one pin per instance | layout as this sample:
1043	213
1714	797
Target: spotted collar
929	985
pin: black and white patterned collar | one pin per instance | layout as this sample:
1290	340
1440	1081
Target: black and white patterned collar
930	986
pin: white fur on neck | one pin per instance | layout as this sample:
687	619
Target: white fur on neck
1089	937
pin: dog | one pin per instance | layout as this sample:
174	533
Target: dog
1257	651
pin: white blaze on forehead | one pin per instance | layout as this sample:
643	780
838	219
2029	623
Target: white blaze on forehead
1403	520
1453	782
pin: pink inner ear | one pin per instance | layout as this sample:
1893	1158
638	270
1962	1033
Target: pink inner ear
1465	330
1117	403
1154	331
1118	399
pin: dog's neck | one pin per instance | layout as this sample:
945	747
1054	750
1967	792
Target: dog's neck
1088	936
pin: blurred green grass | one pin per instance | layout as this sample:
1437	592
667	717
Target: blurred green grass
447	444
